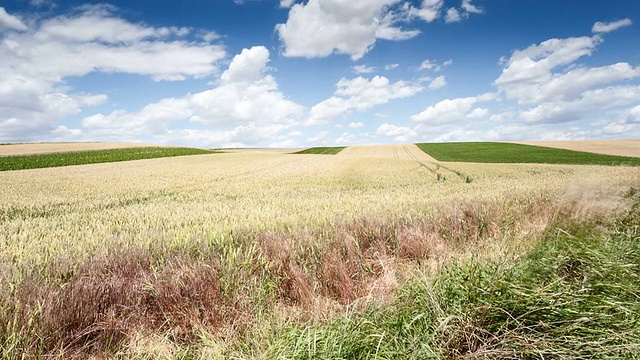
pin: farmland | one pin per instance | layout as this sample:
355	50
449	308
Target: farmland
485	152
265	255
46	148
59	158
321	150
608	147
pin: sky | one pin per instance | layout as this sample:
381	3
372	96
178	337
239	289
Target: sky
293	73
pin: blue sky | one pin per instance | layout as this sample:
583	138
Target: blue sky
286	73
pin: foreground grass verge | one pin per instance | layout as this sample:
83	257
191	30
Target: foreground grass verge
487	152
574	295
20	162
322	150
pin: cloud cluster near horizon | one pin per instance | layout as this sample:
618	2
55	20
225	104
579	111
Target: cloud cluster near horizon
540	85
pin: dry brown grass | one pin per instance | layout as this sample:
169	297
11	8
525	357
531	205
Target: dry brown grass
112	297
294	285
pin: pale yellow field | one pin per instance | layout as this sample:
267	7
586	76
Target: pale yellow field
398	152
41	148
77	210
271	238
259	150
608	147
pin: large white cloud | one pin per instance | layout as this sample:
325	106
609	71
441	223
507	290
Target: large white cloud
360	94
529	75
449	111
244	108
323	27
320	28
559	89
97	40
36	62
589	102
526	70
556	96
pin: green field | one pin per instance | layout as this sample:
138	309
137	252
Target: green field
321	150
490	152
21	162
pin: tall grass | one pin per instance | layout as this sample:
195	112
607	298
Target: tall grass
574	295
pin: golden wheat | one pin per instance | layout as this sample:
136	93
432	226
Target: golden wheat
608	147
317	226
75	211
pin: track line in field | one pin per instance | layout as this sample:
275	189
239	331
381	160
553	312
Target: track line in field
402	152
438	166
433	171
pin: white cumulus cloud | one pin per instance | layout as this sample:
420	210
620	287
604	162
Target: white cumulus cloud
398	133
449	110
452	16
92	38
430	10
559	89
529	70
11	22
602	27
320	28
244	108
466	9
438	83
360	94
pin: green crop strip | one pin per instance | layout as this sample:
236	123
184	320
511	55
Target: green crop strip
489	152
322	150
20	162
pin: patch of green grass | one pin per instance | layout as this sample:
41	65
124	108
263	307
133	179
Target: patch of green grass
322	150
20	162
489	152
572	296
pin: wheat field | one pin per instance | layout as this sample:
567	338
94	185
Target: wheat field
608	147
275	229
